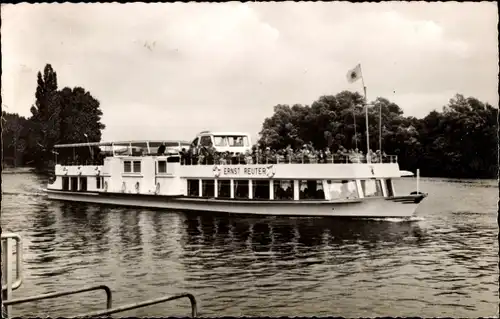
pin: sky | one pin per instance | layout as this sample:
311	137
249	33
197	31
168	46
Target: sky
169	71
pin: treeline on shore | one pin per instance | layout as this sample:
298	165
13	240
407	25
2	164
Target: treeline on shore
459	141
59	116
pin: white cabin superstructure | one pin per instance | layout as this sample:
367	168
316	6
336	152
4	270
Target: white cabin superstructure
337	188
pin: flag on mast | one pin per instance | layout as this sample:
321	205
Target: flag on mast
354	74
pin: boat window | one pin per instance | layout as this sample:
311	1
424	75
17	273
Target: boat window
238	141
241	188
283	189
127	168
162	166
208	187
342	189
224	188
206	141
173	159
65	183
194	143
98	182
74	184
83	184
260	189
372	188
137	166
220	141
390	190
193	187
311	189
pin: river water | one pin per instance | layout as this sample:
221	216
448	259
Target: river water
444	262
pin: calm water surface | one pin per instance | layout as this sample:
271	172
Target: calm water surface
444	262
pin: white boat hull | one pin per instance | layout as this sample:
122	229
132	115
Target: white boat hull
403	206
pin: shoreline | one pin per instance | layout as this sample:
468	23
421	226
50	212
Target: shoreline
18	170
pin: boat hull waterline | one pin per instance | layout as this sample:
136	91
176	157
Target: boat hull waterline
393	207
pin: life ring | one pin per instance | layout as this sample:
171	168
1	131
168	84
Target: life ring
105	186
123	187
137	187
157	191
216	171
65	171
97	171
270	171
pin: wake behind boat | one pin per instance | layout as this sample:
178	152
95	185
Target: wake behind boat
137	175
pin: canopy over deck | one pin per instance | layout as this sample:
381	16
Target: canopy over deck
153	143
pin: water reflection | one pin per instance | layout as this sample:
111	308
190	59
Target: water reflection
130	229
43	235
84	228
446	261
279	244
274	233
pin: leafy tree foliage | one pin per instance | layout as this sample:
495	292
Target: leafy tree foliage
45	115
15	135
460	141
80	119
58	117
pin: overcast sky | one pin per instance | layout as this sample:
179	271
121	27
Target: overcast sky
172	70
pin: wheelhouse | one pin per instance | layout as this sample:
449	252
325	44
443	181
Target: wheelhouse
232	142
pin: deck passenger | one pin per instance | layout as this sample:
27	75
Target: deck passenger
161	149
248	157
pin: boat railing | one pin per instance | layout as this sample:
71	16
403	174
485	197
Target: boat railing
109	300
109	297
192	300
10	285
222	159
335	159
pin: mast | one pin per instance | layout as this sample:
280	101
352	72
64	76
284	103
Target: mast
368	159
354	118
352	76
380	130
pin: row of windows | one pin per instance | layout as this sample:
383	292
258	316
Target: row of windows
135	166
72	183
132	166
219	140
283	189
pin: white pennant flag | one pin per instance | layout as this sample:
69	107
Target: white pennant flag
354	74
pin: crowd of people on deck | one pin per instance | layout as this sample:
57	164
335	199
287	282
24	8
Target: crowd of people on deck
210	156
306	154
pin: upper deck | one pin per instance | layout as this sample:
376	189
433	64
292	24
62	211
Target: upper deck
204	156
136	147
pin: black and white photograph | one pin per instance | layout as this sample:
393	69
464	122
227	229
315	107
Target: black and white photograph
250	159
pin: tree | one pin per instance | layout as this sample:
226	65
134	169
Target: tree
61	117
45	116
13	139
80	117
460	141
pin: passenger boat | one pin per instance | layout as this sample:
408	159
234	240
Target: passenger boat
140	177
